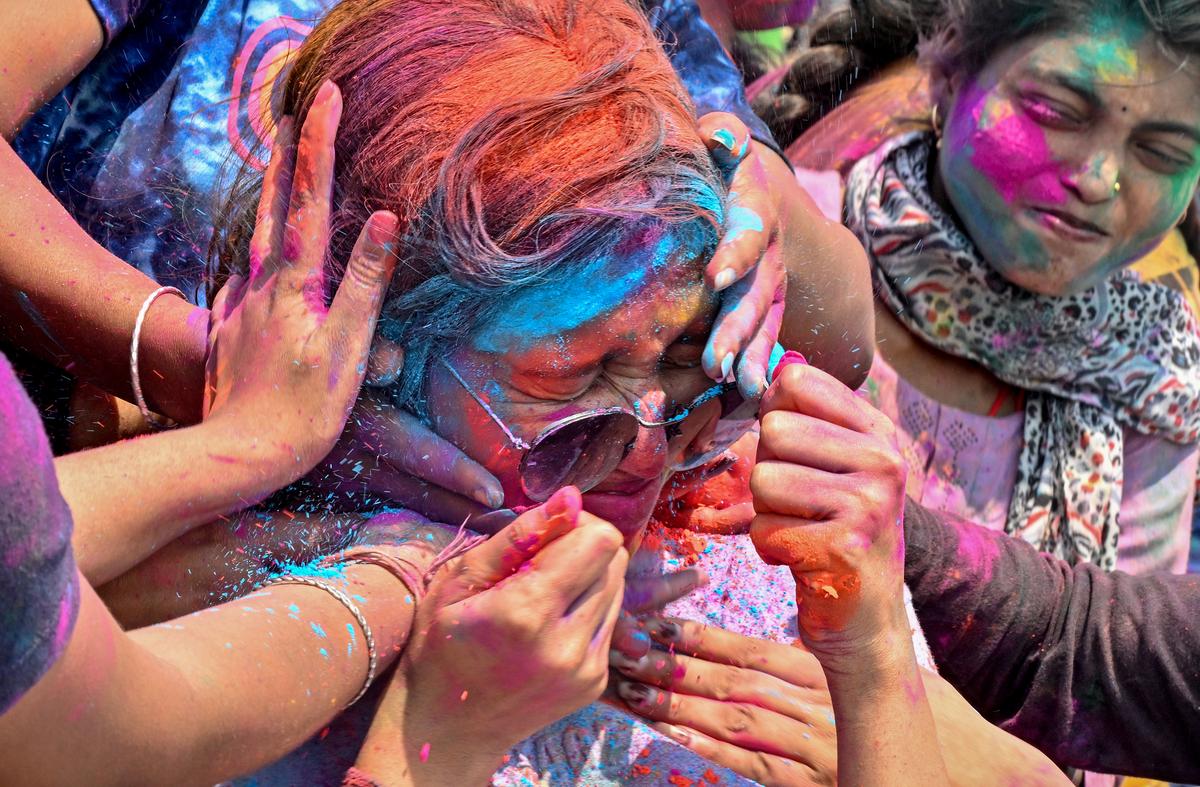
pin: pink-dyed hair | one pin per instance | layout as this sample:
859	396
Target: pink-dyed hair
513	138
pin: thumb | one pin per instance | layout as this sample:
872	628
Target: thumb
727	138
502	554
360	293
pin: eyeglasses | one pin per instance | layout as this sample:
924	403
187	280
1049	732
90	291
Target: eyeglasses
582	449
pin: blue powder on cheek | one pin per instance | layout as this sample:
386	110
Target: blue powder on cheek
320	632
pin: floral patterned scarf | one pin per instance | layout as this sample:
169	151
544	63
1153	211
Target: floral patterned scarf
1123	354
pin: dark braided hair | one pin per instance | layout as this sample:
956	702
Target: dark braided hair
849	46
845	47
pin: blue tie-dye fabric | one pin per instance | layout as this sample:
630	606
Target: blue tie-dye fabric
135	146
139	145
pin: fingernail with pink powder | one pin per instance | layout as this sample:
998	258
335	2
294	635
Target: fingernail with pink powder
788	358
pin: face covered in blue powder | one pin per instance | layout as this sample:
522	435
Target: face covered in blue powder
625	329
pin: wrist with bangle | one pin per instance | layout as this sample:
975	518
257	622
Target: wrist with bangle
411	575
134	372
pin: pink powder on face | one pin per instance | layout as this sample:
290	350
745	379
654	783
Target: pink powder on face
1010	150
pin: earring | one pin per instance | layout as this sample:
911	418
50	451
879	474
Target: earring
1117	186
935	121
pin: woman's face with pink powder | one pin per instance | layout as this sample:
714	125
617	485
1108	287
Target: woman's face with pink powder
1071	155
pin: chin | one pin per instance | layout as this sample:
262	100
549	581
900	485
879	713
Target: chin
627	512
1055	282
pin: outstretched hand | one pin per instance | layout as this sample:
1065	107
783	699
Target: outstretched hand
284	366
757	707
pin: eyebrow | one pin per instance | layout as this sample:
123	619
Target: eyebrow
1078	86
1171	127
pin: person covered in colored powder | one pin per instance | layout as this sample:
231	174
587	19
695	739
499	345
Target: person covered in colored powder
212	695
1042	382
134	114
496	360
138	171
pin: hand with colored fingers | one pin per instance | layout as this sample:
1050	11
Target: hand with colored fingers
758	708
282	365
390	454
748	265
763	710
645	595
828	490
510	637
829	493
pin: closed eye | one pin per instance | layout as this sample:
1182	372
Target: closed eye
1164	157
1051	112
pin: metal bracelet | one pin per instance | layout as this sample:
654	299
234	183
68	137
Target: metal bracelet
134	377
372	660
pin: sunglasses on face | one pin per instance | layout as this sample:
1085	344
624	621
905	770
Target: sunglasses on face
583	448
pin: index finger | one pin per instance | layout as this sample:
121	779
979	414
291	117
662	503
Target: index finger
566	568
791	664
306	236
644	594
526	536
267	240
800	388
749	225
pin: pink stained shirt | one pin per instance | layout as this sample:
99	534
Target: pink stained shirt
966	464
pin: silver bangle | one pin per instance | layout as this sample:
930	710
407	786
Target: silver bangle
372	660
134	377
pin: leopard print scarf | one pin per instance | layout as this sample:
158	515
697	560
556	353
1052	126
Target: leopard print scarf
1123	354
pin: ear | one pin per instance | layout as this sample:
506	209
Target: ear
944	80
385	362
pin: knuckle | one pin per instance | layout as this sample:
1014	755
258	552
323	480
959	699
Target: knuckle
520	628
736	719
774	426
878	495
365	271
761	481
724	685
765	769
751	654
591	688
794	377
564	662
845	546
691	636
606	538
